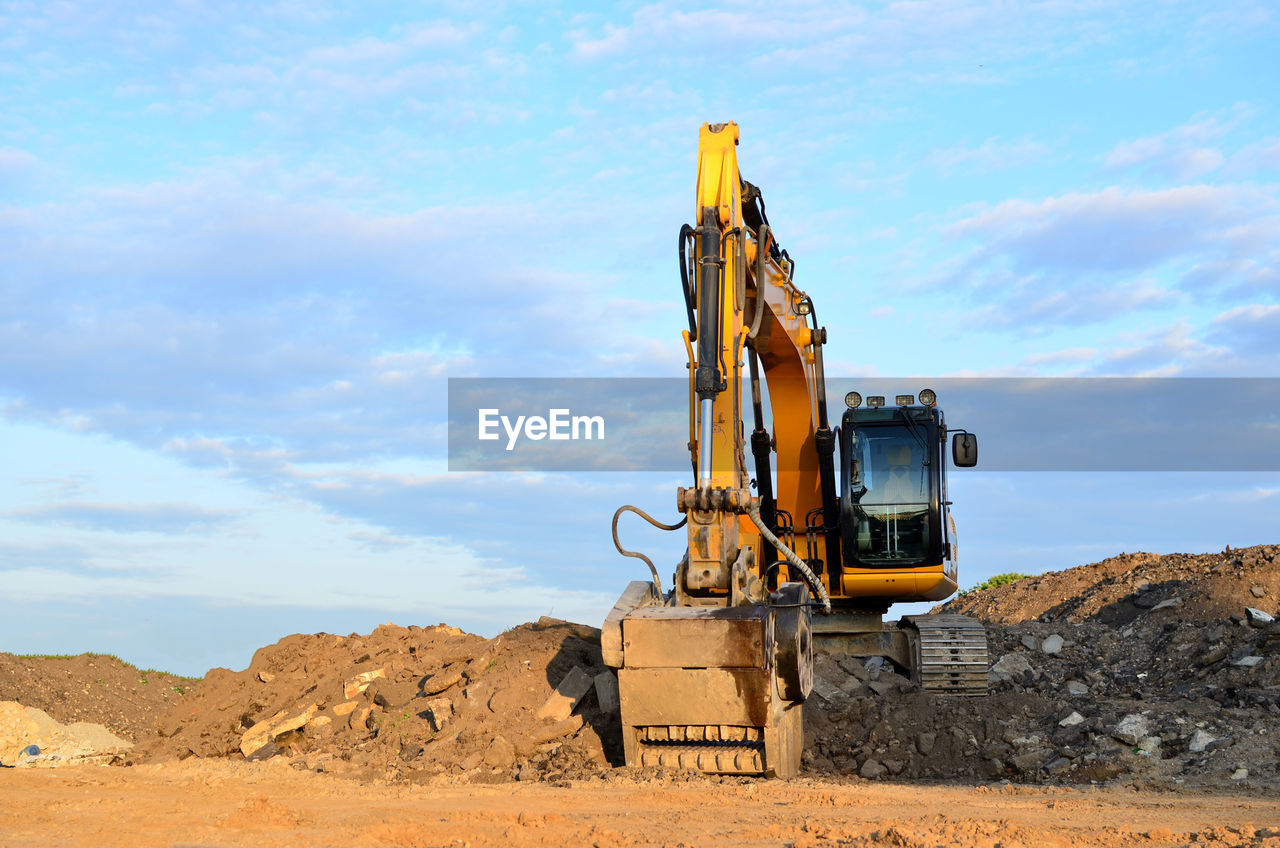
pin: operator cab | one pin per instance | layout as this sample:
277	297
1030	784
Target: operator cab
893	502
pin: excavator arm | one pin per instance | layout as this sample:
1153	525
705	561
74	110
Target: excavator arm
744	306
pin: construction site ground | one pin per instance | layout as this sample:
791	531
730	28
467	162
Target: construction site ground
228	803
1135	701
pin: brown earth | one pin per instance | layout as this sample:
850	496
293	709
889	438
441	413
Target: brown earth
97	688
1143	669
434	700
218	802
1205	587
1139	672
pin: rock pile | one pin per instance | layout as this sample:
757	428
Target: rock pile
1202	587
1154	685
1161	701
409	702
1161	671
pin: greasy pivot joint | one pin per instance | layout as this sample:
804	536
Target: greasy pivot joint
717	499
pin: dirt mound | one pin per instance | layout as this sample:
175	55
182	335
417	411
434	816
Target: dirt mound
30	737
405	702
1141	669
1201	587
1158	702
96	688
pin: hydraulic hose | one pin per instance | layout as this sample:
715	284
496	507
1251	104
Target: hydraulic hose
815	585
657	581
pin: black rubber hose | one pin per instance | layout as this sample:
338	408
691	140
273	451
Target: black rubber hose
685	232
815	585
657	581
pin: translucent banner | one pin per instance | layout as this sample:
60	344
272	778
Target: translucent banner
1042	424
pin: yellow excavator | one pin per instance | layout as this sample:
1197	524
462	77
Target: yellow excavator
712	672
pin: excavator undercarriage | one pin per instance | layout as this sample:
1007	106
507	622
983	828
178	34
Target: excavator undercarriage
943	653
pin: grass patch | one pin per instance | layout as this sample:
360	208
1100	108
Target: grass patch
143	673
993	582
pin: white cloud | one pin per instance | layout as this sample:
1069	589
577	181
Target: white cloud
1251	329
1084	258
1117	229
1242	341
161	518
1181	153
271	548
991	155
1165	352
1259	156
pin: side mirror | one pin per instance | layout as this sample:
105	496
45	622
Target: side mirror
964	450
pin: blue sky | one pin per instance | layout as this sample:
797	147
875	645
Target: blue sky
245	246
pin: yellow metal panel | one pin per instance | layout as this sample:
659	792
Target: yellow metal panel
921	584
638	593
666	642
668	696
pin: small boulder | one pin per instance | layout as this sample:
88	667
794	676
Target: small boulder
565	698
442	680
1058	765
606	683
1075	687
1199	741
835	697
1257	617
549	733
1052	644
265	731
439	711
500	753
1215	654
361	682
1012	667
1071	720
882	687
872	769
1131	729
359	719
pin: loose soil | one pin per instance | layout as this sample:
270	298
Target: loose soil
98	688
220	802
1204	587
1141	672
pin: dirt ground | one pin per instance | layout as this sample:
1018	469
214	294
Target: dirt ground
206	802
1134	702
